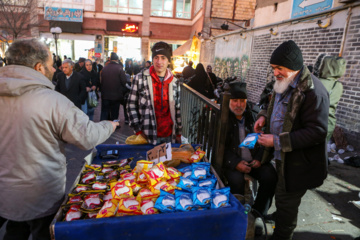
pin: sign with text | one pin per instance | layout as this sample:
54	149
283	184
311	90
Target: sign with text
159	153
306	7
63	14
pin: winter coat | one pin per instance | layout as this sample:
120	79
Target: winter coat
329	70
141	109
113	82
77	88
91	78
232	155
303	138
36	123
202	82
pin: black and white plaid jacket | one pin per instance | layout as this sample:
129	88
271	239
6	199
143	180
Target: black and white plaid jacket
141	109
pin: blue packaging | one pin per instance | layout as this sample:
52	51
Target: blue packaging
183	201
186	184
250	140
209	182
201	197
200	170
165	202
220	197
186	171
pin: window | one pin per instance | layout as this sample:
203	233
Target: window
162	8
198	6
88	5
124	6
183	8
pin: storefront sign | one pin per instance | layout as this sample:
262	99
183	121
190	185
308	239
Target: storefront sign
106	44
63	14
115	46
306	7
130	27
98	55
120	26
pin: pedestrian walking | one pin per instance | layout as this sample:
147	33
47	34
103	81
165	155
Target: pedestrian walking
91	81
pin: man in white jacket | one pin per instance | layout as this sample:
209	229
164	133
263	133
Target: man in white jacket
36	123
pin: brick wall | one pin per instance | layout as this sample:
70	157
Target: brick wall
244	9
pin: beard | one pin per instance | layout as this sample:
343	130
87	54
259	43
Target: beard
48	73
281	85
237	111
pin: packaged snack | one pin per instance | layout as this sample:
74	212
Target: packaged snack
156	174
141	179
124	162
124	171
72	215
147	207
75	199
250	140
88	178
107	169
183	201
107	196
186	171
220	197
121	189
95	167
209	182
200	170
183	153
99	177
136	139
174	182
128	205
81	188
186	184
128	176
174	173
165	202
111	175
108	209
135	187
92	201
99	185
197	156
145	193
143	165
91	214
165	186
201	197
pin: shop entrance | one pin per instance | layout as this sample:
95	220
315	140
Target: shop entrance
125	47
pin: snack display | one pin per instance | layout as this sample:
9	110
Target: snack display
250	140
113	189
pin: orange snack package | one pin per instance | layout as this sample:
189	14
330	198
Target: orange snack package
183	153
108	209
121	189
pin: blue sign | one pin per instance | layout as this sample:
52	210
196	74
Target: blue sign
63	14
306	7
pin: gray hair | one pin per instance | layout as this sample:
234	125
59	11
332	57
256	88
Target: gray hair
88	60
27	53
68	61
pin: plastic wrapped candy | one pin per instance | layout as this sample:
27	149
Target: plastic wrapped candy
108	209
200	170
92	201
99	185
183	201
73	213
75	199
88	178
220	197
186	184
250	140
107	196
201	197
165	202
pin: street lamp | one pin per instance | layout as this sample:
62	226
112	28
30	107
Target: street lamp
56	32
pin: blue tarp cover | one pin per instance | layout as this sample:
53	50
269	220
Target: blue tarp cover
223	223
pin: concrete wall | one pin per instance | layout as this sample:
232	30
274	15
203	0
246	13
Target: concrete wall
312	40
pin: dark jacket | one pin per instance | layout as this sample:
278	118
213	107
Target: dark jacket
90	78
330	69
113	82
77	89
232	155
187	72
202	83
303	146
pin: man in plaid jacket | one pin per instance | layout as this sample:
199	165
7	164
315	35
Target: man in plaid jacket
154	100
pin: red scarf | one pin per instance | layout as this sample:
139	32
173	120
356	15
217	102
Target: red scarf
161	103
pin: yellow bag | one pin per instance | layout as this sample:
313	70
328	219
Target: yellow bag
136	139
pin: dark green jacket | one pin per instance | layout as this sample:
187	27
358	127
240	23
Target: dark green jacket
303	146
330	70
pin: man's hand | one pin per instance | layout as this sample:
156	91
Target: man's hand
243	167
114	125
259	124
266	140
254	164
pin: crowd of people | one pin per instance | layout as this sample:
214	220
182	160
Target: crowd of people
293	126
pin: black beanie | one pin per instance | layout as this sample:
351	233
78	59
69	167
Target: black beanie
288	55
114	56
162	48
238	90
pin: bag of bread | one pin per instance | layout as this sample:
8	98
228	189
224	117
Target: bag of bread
183	153
135	140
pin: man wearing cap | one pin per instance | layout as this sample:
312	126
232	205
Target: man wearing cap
154	101
80	64
113	87
296	128
239	161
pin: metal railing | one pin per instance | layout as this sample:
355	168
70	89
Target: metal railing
205	122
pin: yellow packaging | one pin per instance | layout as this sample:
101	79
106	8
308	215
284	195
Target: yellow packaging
157	173
108	209
121	189
197	156
145	193
174	173
167	187
143	165
128	205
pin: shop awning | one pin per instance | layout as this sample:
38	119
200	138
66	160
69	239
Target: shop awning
180	51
